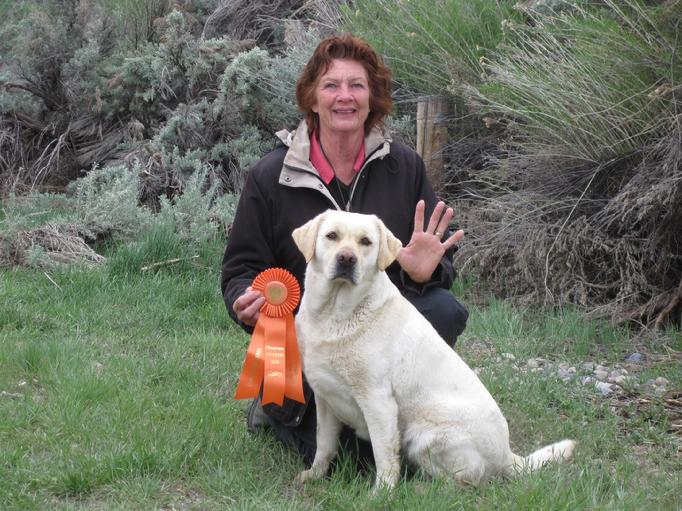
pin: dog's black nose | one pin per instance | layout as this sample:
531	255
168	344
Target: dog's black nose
346	258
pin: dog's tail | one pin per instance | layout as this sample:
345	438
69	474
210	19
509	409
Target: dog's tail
558	452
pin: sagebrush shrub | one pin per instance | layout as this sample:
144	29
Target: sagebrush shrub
250	80
189	212
156	78
106	203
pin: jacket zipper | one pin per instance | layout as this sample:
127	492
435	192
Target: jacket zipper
359	175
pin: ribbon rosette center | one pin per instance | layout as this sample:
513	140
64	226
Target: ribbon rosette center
272	359
275	293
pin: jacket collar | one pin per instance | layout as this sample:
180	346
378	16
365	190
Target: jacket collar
297	160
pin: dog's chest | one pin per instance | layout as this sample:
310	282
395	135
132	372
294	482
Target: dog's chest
338	389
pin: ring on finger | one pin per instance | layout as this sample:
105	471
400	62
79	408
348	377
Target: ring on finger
438	233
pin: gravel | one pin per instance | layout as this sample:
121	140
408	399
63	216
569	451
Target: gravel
606	379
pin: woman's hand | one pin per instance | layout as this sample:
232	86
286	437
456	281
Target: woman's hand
247	306
421	256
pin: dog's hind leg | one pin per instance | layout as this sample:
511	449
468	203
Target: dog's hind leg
462	464
469	469
328	431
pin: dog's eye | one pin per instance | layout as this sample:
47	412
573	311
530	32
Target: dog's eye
365	241
332	236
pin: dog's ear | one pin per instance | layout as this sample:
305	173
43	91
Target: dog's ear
389	246
305	237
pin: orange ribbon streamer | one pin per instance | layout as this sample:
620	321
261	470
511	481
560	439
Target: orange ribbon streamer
272	358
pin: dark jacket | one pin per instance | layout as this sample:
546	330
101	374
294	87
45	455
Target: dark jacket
283	191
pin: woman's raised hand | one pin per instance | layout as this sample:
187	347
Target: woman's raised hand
421	256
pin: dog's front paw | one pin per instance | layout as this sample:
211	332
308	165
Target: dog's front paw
387	478
382	488
307	475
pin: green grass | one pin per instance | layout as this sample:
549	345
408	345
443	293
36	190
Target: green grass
123	384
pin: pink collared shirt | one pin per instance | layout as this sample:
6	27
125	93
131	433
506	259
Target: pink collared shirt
319	161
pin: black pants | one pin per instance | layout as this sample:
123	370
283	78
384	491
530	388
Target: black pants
295	424
444	312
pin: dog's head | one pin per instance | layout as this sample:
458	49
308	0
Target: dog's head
347	246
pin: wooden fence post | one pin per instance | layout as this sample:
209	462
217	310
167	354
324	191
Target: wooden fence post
432	136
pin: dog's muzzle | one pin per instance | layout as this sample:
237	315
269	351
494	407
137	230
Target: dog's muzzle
345	266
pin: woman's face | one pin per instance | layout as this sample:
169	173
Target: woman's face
342	98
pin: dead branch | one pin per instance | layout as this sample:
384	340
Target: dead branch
167	262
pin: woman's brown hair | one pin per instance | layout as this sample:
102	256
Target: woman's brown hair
347	47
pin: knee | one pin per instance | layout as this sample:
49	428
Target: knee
447	315
458	315
452	315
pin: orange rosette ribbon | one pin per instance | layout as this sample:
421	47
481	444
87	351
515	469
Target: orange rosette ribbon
272	358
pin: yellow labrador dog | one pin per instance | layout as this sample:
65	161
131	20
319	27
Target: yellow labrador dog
376	364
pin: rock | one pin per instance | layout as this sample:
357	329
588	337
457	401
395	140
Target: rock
635	358
619	380
604	388
600	374
564	374
508	356
661	382
588	366
616	374
659	391
586	380
536	362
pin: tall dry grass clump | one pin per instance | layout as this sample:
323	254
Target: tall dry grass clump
430	44
589	212
570	184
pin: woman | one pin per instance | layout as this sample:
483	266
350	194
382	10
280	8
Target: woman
339	157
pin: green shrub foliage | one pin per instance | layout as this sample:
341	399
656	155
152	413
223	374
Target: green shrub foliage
79	94
161	125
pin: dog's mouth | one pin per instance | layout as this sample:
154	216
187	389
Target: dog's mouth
344	273
344	266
